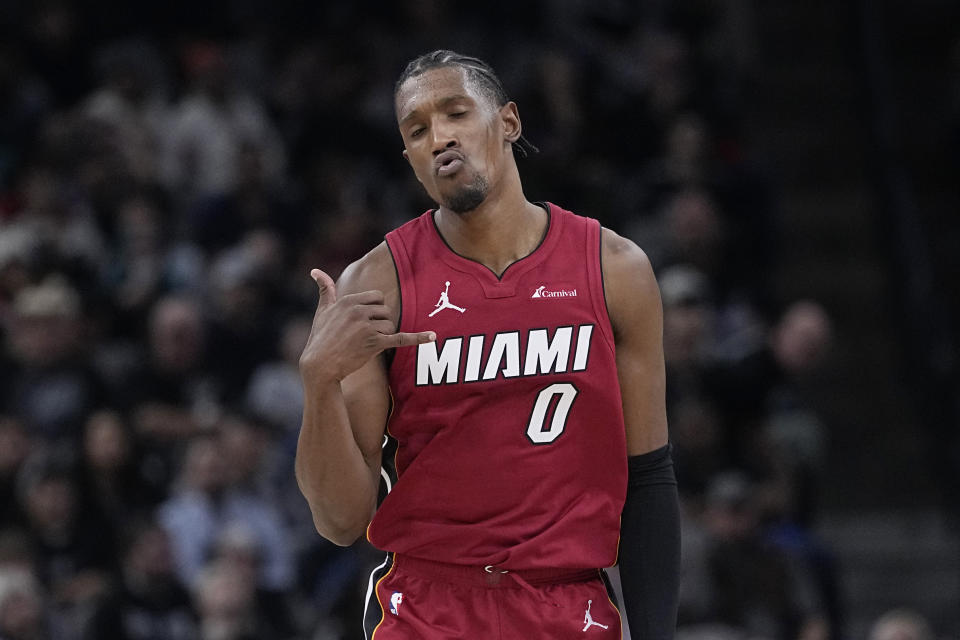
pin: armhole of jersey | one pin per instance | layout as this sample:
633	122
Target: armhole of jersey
598	294
401	358
405	283
388	456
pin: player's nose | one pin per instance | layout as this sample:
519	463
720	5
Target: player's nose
443	138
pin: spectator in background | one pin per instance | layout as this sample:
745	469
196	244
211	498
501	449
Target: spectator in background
55	37
689	319
354	199
130	102
17	248
73	550
695	232
688	231
207	502
61	225
752	585
171	395
50	384
152	333
802	336
114	483
254	202
698	439
16	550
759	389
147	261
686	162
273	608
135	273
696	159
212	127
688	332
164	388
24	103
147	601
255	462
246	287
800	343
15	447
275	393
739	402
225	597
274	397
901	624
26	610
22	607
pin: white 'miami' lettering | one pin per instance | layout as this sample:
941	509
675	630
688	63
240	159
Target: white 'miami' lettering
543	355
474	352
432	367
506	346
583	347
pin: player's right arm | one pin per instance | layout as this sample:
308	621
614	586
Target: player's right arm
346	395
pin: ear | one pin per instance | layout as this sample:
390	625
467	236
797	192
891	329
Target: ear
510	117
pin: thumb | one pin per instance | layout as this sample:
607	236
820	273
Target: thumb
328	290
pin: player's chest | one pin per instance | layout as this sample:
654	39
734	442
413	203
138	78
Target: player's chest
518	329
460	304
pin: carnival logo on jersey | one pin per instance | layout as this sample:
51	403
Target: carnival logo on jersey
444	302
543	292
395	600
588	619
481	357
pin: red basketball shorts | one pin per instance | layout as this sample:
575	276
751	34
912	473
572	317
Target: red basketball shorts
413	599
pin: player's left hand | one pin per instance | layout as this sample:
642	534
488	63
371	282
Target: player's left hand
348	331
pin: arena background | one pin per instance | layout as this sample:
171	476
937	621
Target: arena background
169	172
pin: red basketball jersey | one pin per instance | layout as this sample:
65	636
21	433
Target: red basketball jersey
509	428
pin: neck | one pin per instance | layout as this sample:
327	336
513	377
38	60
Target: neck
503	229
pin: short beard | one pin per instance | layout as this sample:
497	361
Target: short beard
469	197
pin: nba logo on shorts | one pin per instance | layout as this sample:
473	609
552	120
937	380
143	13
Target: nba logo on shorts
395	601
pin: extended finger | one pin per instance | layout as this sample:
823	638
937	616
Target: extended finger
328	290
408	339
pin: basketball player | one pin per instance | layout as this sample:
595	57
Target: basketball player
497	364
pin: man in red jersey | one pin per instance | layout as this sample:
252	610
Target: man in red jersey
498	364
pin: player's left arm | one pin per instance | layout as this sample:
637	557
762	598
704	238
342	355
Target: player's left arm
650	525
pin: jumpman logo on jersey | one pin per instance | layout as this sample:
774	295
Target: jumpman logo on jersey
444	302
588	619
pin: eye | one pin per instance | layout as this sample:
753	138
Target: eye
416	132
458	114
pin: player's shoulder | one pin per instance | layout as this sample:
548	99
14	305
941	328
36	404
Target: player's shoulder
629	284
621	254
374	271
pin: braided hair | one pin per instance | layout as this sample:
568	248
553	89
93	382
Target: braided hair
477	71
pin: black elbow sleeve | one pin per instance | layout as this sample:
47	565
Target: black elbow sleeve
650	546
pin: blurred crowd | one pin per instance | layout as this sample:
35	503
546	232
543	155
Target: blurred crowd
167	182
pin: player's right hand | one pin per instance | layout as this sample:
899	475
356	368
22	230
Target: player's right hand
347	332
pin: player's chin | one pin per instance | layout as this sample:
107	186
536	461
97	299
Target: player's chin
465	198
